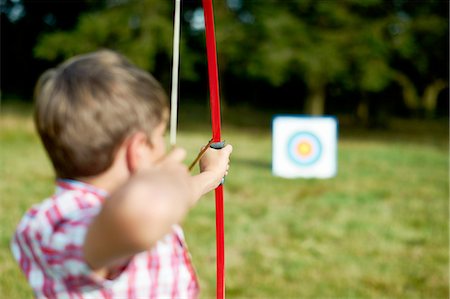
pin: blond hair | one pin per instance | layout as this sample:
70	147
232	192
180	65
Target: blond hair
87	106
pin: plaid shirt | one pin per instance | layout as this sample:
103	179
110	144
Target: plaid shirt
48	247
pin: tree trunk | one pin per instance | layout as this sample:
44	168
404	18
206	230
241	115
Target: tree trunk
430	96
315	102
410	97
362	111
427	103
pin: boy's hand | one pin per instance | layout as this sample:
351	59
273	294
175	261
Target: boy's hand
216	161
214	166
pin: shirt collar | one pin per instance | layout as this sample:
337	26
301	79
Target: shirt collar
68	184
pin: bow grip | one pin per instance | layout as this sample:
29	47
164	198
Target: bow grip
218	145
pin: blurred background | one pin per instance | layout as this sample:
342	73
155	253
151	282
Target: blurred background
378	229
370	59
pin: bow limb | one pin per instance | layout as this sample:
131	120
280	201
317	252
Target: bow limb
216	131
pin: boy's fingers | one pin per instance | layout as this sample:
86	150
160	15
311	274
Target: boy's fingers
228	148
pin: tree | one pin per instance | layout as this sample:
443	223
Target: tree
419	39
320	42
22	21
361	45
141	30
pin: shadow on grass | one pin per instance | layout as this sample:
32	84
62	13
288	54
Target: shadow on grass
254	163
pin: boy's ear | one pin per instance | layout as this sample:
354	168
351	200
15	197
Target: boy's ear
137	151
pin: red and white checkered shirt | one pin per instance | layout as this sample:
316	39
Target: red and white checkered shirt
48	247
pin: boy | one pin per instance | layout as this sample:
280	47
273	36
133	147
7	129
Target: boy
110	230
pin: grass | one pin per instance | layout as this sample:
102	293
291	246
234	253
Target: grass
379	229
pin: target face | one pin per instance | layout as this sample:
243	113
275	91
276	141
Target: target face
304	148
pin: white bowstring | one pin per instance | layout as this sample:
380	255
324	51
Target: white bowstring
175	70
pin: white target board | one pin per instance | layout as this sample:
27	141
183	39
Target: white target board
304	146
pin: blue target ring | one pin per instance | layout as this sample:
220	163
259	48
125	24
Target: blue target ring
304	148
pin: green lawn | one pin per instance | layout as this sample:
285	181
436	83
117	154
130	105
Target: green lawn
379	229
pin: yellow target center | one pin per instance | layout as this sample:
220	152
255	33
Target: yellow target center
304	149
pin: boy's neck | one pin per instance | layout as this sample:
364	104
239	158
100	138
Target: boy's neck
101	182
112	178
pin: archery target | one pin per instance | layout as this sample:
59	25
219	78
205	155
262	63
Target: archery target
304	146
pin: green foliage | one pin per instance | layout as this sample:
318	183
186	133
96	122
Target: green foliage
377	230
357	44
360	45
139	29
319	42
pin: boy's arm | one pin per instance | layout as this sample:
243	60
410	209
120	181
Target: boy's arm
145	208
139	214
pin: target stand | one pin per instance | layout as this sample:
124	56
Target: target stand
304	146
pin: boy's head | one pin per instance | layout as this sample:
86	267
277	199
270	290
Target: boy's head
87	106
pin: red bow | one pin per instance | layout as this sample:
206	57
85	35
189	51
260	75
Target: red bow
215	119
